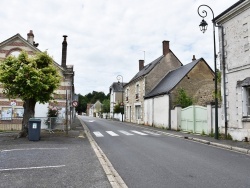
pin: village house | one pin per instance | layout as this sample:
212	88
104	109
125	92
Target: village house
94	110
144	81
195	78
234	39
116	94
11	111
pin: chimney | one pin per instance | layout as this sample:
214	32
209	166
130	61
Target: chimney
193	58
165	46
30	37
64	51
141	64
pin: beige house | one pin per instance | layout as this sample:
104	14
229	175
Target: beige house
144	81
11	111
95	109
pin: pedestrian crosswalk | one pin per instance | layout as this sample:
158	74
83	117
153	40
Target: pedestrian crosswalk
127	133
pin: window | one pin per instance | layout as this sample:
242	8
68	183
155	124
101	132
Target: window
137	91
246	101
127	94
138	112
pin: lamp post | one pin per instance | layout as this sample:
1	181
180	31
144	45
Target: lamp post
203	27
119	77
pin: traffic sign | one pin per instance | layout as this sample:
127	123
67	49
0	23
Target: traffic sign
75	103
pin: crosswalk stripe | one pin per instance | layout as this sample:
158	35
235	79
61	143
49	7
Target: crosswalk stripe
137	132
112	133
98	134
126	133
153	133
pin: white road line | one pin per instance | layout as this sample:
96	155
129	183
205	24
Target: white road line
23	149
112	133
30	168
153	133
137	132
98	134
91	121
125	132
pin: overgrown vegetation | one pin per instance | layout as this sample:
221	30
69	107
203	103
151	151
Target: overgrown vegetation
92	98
183	99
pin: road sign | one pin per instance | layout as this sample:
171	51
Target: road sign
75	103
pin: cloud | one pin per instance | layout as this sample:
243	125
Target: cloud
108	37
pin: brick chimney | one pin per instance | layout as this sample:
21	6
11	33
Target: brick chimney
141	64
193	58
64	51
30	37
165	47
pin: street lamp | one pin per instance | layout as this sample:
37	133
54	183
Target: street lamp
119	77
203	27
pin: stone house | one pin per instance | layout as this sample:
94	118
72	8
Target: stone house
196	78
234	39
144	81
12	110
116	96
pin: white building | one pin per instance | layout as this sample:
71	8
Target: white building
234	35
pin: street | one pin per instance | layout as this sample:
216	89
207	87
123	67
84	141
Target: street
145	157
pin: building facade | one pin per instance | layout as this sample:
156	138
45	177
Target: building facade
12	109
195	78
144	81
234	35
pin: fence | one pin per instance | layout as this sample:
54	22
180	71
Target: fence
195	119
52	123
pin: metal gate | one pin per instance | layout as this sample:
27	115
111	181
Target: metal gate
194	119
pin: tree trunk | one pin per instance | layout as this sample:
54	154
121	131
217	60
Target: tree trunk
29	112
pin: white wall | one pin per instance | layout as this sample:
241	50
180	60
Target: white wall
161	111
148	116
41	111
156	111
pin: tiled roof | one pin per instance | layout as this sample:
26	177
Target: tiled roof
172	79
146	69
117	87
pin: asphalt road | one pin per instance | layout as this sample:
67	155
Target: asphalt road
146	159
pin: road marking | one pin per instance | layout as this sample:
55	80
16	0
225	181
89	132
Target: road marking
126	133
153	133
112	133
91	121
31	149
137	132
30	168
98	134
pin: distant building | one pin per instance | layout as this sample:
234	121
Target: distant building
116	93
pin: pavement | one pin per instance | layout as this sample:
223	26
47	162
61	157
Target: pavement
83	161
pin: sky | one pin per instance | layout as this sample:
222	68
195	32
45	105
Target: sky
107	38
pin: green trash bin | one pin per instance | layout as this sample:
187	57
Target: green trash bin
34	129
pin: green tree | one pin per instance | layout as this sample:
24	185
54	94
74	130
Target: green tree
118	108
106	106
32	79
183	99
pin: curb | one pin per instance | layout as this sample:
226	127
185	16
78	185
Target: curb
224	146
114	178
